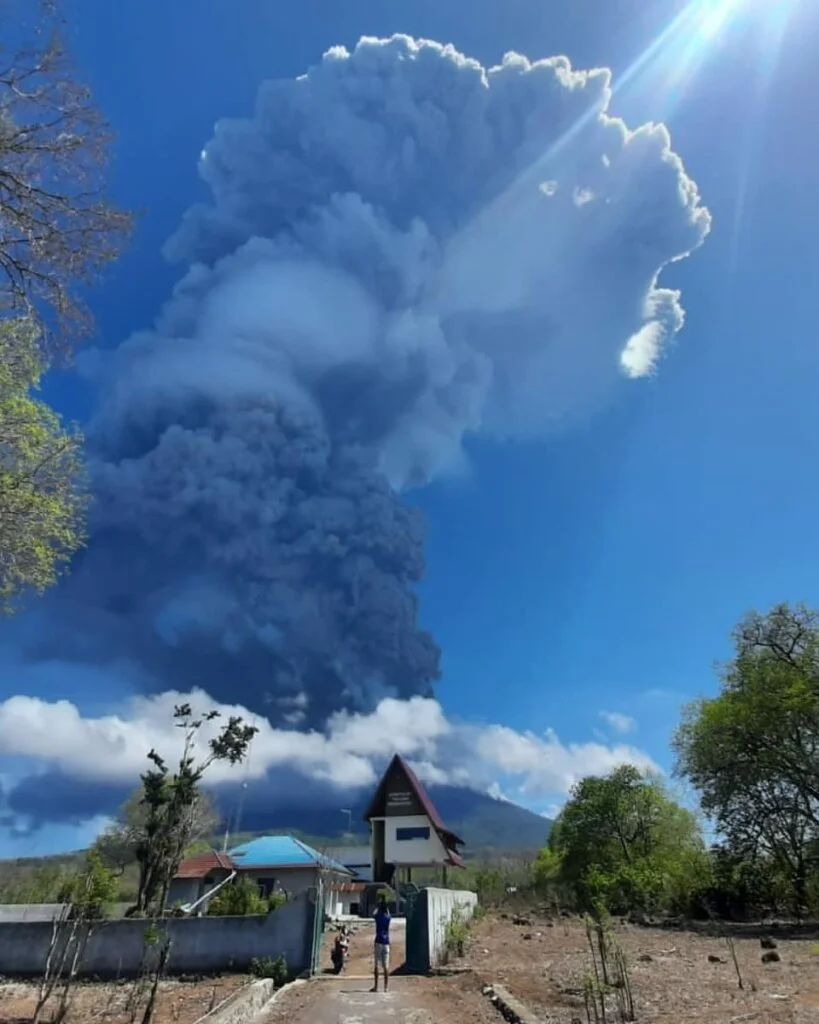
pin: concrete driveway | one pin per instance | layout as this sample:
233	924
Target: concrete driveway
410	1000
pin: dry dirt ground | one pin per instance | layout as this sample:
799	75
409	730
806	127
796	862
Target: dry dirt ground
411	1000
672	979
178	1002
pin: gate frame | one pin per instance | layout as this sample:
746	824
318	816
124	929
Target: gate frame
416	913
318	926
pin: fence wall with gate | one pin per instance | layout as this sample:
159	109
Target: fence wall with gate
430	912
199	944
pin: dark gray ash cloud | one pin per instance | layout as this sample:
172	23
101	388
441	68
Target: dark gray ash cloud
401	249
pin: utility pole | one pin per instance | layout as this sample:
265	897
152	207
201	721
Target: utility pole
349	813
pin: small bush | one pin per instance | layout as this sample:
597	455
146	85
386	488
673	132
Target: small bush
276	900
268	967
92	891
457	932
239	899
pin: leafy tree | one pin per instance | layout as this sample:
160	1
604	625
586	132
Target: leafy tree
57	229
752	752
546	871
621	841
42	486
119	843
171	801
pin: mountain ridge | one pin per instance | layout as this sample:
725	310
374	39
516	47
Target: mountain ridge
484	822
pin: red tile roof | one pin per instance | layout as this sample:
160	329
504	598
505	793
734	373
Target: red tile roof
203	864
348	887
449	839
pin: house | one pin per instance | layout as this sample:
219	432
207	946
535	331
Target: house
197	876
276	863
406	830
358	859
345	899
283	862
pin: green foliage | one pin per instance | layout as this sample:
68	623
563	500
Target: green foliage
43	494
546	872
170	801
751	751
268	967
92	891
239	898
275	900
33	881
119	843
456	933
622	842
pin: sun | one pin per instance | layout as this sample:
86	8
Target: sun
714	15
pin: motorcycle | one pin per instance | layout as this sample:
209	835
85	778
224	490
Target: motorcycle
340	952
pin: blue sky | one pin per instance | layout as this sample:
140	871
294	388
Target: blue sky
600	568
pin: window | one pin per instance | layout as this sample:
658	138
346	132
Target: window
421	832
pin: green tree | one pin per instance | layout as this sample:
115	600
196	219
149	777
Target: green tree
119	843
171	801
42	485
752	751
621	840
56	231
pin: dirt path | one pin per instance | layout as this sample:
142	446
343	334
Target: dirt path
410	1000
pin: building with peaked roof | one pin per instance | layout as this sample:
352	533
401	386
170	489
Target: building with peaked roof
406	830
275	863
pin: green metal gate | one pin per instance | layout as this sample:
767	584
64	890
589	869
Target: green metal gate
318	929
416	911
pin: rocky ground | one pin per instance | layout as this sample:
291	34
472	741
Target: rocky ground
676	975
178	1002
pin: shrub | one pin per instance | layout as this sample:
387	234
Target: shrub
239	898
268	967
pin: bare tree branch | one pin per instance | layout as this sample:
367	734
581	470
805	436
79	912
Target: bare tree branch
57	230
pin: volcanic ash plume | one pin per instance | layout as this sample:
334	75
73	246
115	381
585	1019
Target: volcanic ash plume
401	248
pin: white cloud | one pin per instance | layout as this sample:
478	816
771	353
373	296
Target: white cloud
619	722
642	350
348	753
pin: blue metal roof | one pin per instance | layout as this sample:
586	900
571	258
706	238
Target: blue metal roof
278	851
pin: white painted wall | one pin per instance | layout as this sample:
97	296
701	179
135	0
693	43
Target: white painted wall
340	904
441	905
412	851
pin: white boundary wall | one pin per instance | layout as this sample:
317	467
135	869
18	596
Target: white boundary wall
441	905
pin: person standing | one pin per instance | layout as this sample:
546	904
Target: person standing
381	948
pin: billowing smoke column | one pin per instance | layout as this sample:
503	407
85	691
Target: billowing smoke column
401	248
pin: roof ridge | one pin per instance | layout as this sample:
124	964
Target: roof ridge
311	853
